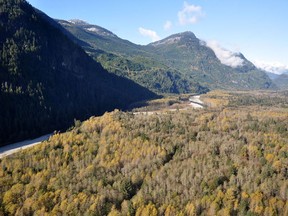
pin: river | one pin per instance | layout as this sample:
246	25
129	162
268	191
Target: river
195	102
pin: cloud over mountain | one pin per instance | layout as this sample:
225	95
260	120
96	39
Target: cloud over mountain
226	57
149	33
273	67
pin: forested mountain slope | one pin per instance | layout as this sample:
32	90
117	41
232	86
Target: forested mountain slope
46	80
130	60
230	159
197	60
179	63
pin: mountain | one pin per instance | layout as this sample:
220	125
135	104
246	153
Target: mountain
96	36
178	63
194	58
271	75
129	60
281	81
47	80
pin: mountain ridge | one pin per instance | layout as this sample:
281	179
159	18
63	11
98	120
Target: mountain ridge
182	54
47	80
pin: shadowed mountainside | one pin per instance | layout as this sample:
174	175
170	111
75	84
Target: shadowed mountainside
46	80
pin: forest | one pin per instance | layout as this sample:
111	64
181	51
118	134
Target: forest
46	80
230	158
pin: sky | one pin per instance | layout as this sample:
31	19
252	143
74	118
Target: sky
256	28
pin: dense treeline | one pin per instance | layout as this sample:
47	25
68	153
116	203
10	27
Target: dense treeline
217	161
46	80
150	74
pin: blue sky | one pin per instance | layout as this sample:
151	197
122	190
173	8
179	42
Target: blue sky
256	28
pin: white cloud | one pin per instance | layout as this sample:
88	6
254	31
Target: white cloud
168	25
273	67
226	57
149	33
190	14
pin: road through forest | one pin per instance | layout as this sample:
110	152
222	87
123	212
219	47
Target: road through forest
12	148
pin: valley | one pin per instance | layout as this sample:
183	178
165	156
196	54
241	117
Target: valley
195	102
179	126
229	158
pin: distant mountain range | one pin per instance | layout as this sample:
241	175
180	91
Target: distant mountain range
47	80
280	80
180	63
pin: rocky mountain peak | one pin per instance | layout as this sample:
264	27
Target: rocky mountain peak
183	37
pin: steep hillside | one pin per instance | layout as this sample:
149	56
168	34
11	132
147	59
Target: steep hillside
195	59
182	55
98	37
130	60
229	160
46	80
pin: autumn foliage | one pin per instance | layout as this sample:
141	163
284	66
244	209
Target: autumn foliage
230	160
